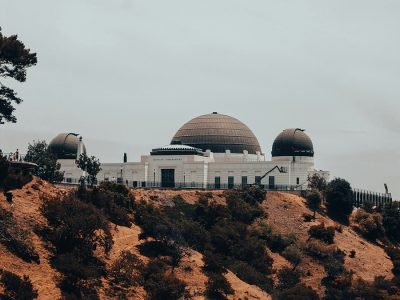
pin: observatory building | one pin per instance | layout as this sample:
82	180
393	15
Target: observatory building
209	151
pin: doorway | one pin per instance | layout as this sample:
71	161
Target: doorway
167	178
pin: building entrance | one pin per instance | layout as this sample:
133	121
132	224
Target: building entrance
167	178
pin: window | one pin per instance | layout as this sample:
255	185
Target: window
231	182
68	180
271	182
297	180
257	180
244	181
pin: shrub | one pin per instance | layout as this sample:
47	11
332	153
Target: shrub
317	182
217	287
114	187
4	165
391	221
325	234
251	275
124	274
242	211
76	230
253	194
334	266
319	249
394	254
288	278
370	225
314	199
81	275
339	199
73	224
293	254
15	287
300	291
125	270
113	199
379	289
308	217
160	284
278	242
15	239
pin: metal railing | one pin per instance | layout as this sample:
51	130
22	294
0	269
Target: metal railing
362	197
193	185
13	156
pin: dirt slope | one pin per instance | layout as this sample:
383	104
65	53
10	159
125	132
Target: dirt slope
284	213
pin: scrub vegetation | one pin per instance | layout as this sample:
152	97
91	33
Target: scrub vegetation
234	232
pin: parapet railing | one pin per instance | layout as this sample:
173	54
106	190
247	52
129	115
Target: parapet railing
362	197
13	156
193	185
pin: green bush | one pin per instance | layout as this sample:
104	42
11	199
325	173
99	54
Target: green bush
325	234
159	284
125	274
370	225
339	199
251	275
15	287
76	229
314	199
300	291
217	287
394	254
278	242
287	278
391	221
293	254
319	249
112	199
114	188
242	211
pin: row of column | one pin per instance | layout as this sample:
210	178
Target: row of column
376	199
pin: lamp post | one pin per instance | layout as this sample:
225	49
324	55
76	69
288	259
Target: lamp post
122	180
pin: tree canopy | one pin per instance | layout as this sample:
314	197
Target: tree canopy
91	165
15	58
339	198
48	168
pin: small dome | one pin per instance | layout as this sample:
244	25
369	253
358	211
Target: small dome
217	133
293	142
65	146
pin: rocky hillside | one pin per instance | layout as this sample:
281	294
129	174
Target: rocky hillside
282	218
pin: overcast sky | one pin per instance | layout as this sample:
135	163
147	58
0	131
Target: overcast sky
127	74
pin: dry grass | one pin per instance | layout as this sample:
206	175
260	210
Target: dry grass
285	213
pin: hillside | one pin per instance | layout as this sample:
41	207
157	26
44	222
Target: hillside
284	214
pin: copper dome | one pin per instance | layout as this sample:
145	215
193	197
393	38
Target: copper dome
65	146
292	142
217	133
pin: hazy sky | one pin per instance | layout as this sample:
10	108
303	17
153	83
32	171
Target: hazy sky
127	74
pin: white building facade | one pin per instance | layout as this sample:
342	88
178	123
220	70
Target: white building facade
210	151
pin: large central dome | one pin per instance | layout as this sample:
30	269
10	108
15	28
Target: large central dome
217	133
